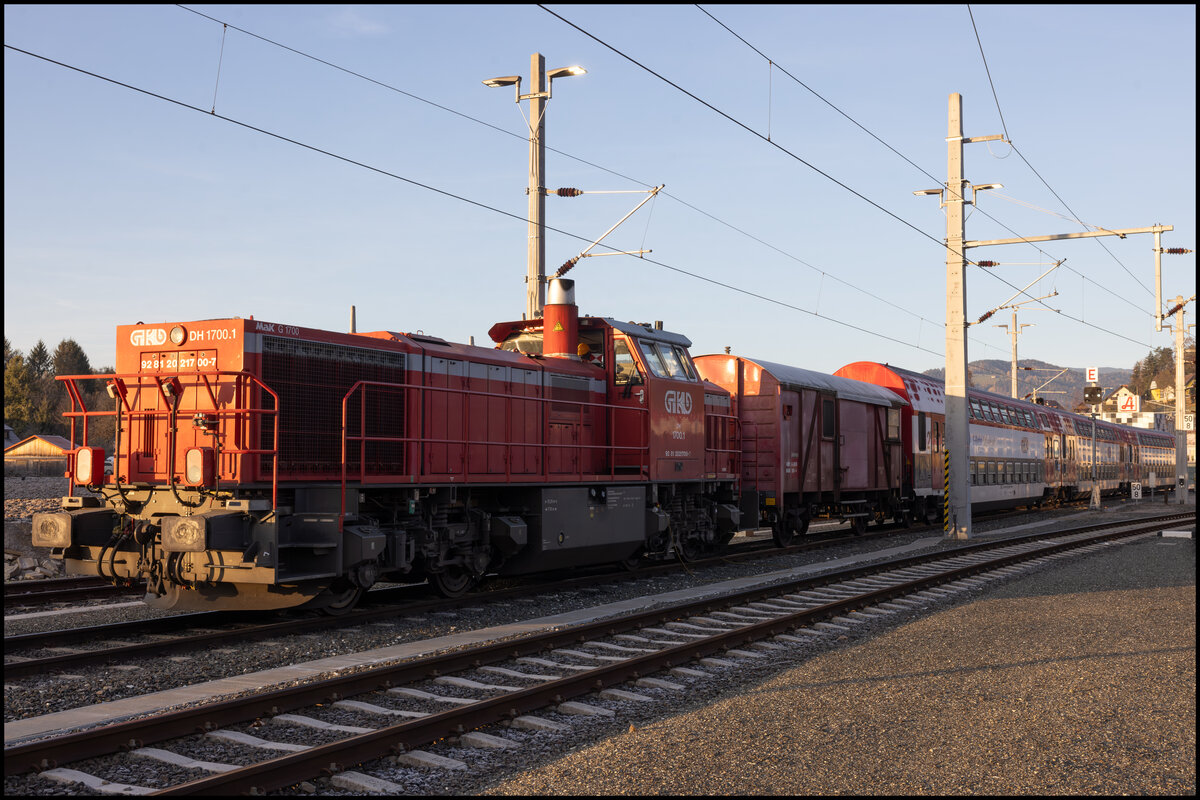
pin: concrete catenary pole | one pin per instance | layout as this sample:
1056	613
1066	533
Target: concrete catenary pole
535	289
1181	493
958	434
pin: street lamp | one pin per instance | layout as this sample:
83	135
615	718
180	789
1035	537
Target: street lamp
543	81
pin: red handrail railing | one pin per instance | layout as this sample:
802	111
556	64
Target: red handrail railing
121	381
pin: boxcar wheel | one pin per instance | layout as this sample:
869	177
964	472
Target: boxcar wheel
783	532
859	525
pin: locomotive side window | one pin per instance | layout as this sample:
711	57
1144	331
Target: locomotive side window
627	371
686	360
921	444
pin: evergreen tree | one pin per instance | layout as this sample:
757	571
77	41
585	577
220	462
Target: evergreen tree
9	352
18	406
38	360
69	359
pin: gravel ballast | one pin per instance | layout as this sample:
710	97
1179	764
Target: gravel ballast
1077	679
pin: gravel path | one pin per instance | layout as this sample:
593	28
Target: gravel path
1077	679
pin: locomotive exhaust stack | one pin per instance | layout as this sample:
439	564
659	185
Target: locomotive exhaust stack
561	320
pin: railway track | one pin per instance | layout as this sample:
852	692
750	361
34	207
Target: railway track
533	682
93	645
65	590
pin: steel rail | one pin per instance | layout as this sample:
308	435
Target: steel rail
183	641
329	759
45	753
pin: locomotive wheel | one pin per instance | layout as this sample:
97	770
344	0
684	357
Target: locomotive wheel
343	601
633	563
689	550
452	582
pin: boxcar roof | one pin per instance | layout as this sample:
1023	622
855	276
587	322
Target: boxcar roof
845	388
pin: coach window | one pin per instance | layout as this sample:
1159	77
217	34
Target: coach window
1001	477
975	412
991	472
974	472
921	443
627	371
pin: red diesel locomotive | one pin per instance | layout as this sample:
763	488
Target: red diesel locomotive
261	465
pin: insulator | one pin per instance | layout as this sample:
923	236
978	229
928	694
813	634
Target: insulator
985	316
568	192
1177	251
987	263
566	267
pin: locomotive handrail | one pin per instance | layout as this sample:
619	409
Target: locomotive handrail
466	442
121	394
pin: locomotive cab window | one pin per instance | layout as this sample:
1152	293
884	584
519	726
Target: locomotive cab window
524	342
667	361
626	368
671	360
653	360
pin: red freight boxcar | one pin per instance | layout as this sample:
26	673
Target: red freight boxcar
812	444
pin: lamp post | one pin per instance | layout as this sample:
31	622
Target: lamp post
540	92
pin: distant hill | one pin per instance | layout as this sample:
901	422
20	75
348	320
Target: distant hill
995	375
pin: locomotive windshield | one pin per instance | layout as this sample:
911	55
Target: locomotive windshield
666	360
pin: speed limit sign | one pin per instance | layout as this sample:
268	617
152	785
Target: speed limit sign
1136	490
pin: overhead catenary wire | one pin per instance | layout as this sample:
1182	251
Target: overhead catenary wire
824	174
1008	139
578	159
452	195
917	166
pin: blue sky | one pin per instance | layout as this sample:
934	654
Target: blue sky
121	207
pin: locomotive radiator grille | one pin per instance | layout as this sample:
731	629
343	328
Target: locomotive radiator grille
311	379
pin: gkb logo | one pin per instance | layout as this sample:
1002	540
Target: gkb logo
678	402
149	337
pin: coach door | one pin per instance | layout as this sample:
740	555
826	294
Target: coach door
922	458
